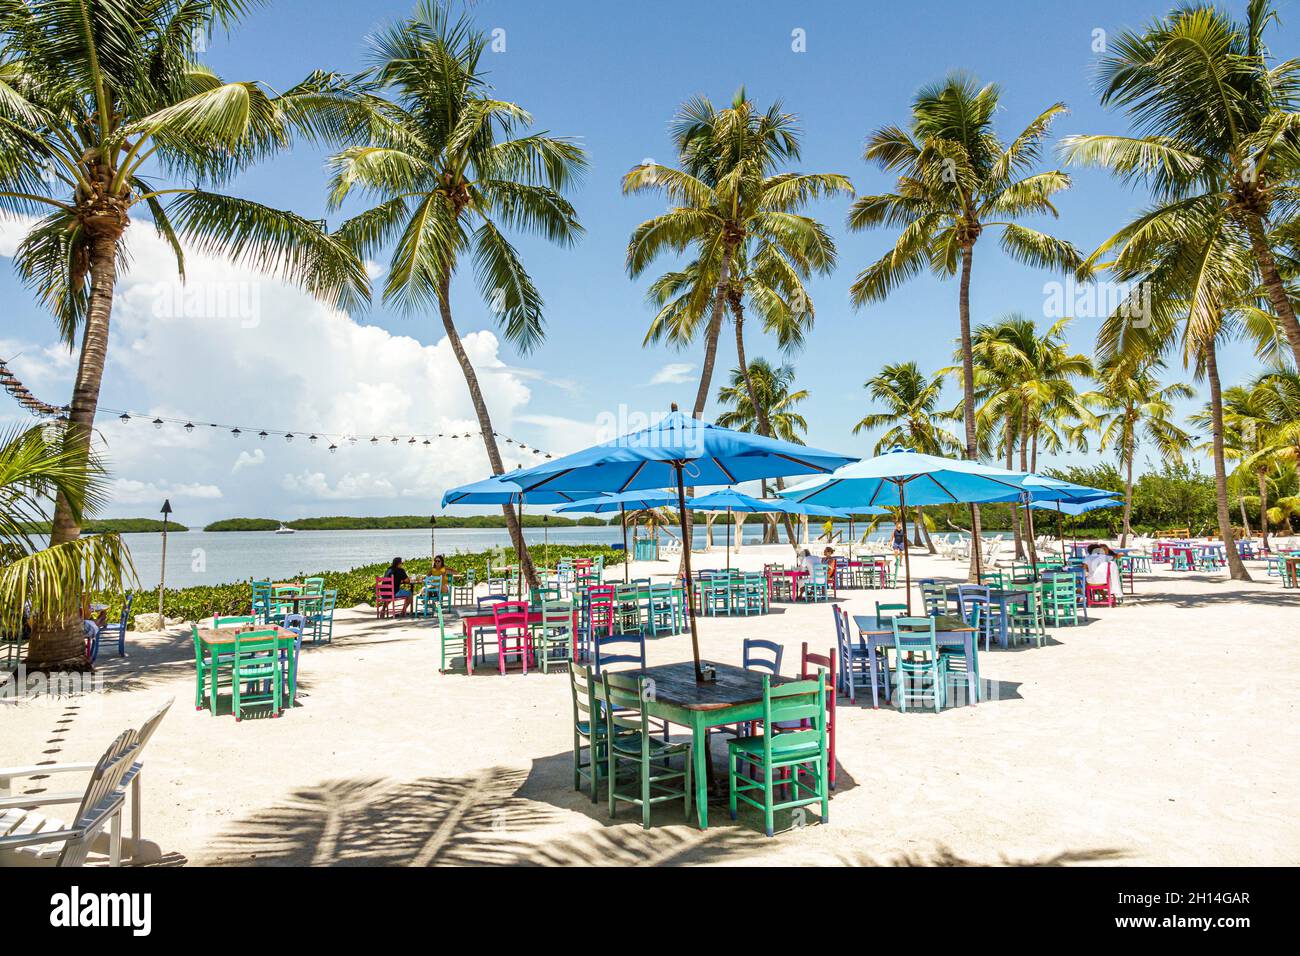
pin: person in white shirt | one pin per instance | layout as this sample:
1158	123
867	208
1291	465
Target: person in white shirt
1097	562
810	561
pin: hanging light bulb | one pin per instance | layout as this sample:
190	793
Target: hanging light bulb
412	441
235	432
312	439
157	423
189	427
288	437
394	441
427	442
124	417
374	440
333	449
352	439
262	435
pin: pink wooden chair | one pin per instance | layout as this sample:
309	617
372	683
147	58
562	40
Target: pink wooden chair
385	596
600	613
510	618
808	671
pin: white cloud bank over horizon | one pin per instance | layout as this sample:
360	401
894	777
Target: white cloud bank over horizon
233	345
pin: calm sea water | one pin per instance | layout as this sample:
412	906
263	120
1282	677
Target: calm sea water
220	557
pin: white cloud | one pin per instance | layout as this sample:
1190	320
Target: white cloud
134	492
234	346
245	460
674	373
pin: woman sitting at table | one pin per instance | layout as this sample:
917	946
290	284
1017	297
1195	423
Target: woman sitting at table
1098	562
401	583
828	556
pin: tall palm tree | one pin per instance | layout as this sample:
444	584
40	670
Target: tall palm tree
956	179
770	391
911	419
1218	129
450	167
1131	406
36	467
1245	429
104	111
742	219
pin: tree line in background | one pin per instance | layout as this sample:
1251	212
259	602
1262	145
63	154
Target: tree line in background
106	111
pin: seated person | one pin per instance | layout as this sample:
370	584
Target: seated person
440	569
401	583
828	556
810	562
1097	563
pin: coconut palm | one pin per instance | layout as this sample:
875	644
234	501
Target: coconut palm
40	582
769	390
106	113
912	417
1217	129
1133	407
451	168
956	179
742	219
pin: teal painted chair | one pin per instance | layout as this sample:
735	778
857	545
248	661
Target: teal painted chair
588	731
1026	621
793	760
321	617
313	585
817	585
553	636
639	765
934	597
256	661
917	671
451	643
262	601
954	667
1060	591
887	612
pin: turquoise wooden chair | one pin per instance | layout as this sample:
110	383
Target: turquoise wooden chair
798	756
887	612
1026	621
256	661
934	597
917	670
321	617
817	585
1060	598
553	636
954	667
635	755
262	601
313	585
589	731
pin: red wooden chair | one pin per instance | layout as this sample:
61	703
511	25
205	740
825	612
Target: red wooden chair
385	596
600	610
808	670
510	619
1100	595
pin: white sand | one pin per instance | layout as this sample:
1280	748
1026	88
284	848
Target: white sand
1163	732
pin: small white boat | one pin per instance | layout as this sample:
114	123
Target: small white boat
283	530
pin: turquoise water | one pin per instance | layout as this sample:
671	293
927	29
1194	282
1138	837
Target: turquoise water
202	557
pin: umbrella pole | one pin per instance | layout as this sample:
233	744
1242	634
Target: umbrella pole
519	557
1060	527
907	552
728	539
686	562
979	557
622	517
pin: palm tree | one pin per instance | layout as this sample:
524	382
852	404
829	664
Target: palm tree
1131	406
1273	414
742	219
103	106
1217	130
911	419
955	180
36	467
450	167
770	391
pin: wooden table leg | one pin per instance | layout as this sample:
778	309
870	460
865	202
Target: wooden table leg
700	735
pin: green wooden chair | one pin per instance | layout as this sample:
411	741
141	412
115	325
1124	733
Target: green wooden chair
934	597
887	612
203	672
256	660
954	667
798	755
1060	598
588	731
634	753
995	579
453	642
917	669
1026	621
553	636
313	585
235	621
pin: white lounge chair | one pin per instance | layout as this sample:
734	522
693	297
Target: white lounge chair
29	838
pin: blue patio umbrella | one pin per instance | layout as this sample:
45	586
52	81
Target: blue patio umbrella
1040	491
1074	507
900	478
639	500
731	500
675	451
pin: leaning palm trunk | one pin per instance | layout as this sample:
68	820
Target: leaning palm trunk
1029	428
1263	509
968	400
1236	570
485	427
1128	494
1273	284
1015	508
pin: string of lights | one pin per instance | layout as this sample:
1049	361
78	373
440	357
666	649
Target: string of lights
23	396
314	437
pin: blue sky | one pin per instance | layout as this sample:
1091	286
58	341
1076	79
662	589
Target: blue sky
612	75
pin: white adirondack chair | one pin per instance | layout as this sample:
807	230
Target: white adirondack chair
29	838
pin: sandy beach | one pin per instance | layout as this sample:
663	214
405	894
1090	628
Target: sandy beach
1161	732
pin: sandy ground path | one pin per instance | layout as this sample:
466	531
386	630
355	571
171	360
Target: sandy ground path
1162	732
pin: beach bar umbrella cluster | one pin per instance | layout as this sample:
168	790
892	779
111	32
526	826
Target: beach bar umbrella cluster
674	452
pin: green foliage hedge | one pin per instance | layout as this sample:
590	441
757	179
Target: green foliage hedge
356	586
399	522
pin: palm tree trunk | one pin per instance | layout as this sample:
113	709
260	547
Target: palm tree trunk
929	542
1128	494
1026	430
1263	508
57	641
968	398
1015	509
484	425
1236	570
1273	284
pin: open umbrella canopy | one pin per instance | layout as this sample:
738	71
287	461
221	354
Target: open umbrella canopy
1042	488
633	500
731	500
505	490
707	454
910	477
1073	508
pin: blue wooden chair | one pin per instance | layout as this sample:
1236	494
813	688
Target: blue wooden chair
115	629
917	668
855	667
816	586
321	617
619	649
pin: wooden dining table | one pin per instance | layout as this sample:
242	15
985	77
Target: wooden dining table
735	697
470	622
794	574
949	632
999	598
216	641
